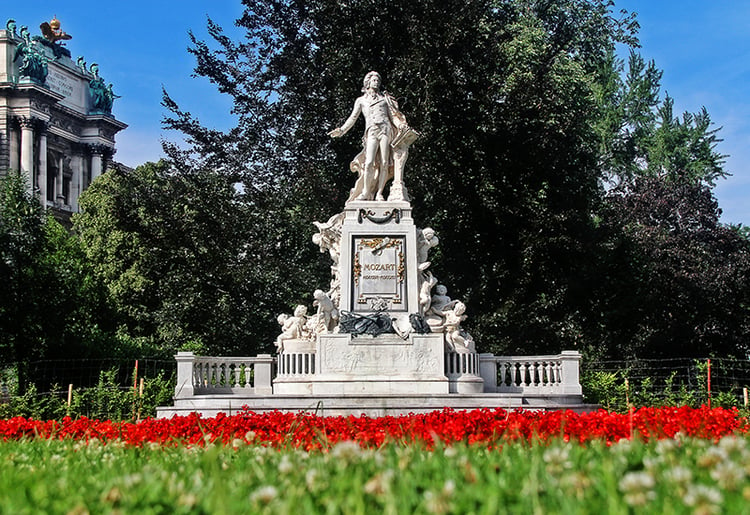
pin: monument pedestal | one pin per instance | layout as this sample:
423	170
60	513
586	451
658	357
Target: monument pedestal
384	364
378	264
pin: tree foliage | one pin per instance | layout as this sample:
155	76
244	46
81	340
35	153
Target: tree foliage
528	121
675	281
502	93
182	257
50	307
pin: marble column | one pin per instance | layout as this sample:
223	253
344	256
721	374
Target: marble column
96	163
15	145
59	178
27	147
42	181
76	164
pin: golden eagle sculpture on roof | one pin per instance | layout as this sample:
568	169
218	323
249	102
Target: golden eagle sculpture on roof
52	33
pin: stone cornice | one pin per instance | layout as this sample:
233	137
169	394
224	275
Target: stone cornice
114	123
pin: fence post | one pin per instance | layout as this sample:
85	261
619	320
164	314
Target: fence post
709	384
488	372
571	382
184	387
263	372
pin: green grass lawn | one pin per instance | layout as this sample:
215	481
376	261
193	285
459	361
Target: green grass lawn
668	476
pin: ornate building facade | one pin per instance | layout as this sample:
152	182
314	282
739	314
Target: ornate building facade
56	122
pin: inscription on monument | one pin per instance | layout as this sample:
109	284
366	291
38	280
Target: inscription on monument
60	83
378	271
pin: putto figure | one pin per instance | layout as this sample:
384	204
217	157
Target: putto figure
386	143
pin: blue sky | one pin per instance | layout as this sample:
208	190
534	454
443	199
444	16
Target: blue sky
703	46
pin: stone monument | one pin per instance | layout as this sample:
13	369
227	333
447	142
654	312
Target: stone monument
380	328
383	337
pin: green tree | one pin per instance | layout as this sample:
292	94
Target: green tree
674	281
182	257
539	160
21	247
50	306
639	134
506	169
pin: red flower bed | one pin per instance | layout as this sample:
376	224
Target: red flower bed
484	427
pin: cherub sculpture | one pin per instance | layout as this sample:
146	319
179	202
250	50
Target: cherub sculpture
455	336
292	327
439	305
426	239
328	315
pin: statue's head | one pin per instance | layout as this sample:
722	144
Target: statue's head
440	289
366	83
300	311
459	308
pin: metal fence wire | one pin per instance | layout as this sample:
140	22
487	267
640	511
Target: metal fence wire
612	384
673	381
97	388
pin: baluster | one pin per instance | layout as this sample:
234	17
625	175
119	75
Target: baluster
530	373
528	367
196	374
550	373
538	373
235	375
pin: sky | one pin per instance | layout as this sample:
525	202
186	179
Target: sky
703	47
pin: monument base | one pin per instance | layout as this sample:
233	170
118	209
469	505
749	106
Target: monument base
211	385
365	365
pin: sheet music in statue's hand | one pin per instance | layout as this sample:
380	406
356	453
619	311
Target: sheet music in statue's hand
405	137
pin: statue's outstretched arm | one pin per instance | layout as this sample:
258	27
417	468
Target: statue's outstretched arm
340	131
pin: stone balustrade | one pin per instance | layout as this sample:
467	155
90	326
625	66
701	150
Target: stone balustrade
297	358
201	375
545	375
555	375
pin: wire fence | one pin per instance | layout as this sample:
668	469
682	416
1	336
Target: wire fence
677	381
105	388
121	389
